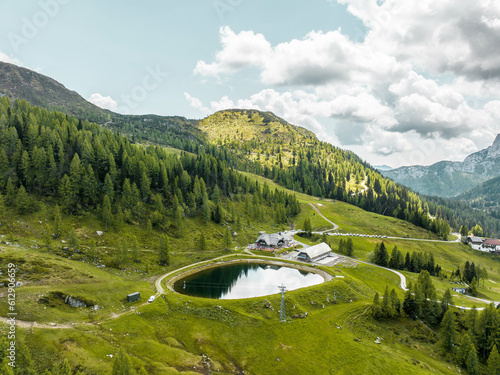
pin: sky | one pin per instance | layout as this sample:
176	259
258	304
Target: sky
397	82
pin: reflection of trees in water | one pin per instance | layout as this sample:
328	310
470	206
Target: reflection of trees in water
215	282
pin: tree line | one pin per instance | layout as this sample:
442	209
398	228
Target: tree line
84	167
414	262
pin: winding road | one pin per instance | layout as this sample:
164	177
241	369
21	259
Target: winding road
335	226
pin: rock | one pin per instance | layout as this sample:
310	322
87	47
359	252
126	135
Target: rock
99	233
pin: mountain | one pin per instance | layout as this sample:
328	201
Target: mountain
242	140
485	197
248	124
449	178
383	167
45	92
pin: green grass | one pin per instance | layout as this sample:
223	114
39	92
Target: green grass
172	334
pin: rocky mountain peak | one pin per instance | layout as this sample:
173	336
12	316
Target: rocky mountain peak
494	149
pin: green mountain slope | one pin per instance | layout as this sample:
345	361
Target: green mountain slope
45	92
257	142
485	197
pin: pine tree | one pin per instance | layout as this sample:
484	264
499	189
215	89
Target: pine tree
202	244
135	250
142	371
23	201
307	227
178	216
494	362
107	215
447	300
63	368
472	363
395	303
376	308
349	247
56	228
465	347
2	207
341	248
386	304
92	252
206	208
66	193
164	251
73	241
448	330
228	239
122	364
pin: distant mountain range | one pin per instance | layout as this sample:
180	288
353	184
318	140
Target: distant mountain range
451	178
383	167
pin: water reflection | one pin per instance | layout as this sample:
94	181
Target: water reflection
244	281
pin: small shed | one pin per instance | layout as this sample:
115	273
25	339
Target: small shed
461	290
315	253
133	296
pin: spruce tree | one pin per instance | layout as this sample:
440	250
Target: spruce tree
107	215
472	363
376	308
92	252
122	364
349	247
448	331
494	362
228	239
73	241
56	227
447	300
464	348
135	250
164	251
206	208
202	244
23	201
395	303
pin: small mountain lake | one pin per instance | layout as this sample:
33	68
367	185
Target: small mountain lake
244	281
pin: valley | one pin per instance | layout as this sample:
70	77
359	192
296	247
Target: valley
91	213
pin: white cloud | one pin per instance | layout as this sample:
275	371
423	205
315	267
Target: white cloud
427	73
239	51
9	59
105	102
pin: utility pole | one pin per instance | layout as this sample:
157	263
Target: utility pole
282	306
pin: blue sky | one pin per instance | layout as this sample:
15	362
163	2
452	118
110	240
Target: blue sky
399	83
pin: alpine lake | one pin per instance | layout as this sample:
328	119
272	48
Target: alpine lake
244	280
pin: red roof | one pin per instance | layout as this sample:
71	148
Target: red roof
491	242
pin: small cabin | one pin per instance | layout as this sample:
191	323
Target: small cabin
460	290
270	240
314	253
133	296
475	243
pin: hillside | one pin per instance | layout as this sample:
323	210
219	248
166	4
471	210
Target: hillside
258	142
246	125
448	179
97	217
485	197
39	90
